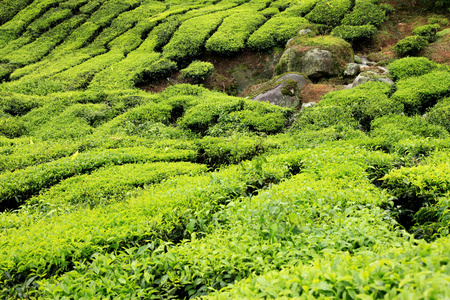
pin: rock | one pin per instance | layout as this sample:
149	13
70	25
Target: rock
352	70
371	76
363	60
304	31
284	91
348	86
309	104
318	63
315	57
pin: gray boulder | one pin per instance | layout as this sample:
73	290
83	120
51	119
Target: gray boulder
352	70
318	63
314	57
284	91
377	74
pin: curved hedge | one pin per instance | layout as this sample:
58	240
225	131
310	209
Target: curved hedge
276	31
234	32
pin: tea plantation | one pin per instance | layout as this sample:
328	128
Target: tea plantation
111	192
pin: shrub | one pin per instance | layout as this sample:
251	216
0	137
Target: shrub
234	32
440	114
365	13
388	8
198	70
364	103
354	33
189	39
12	127
427	31
8	8
418	94
411	66
18	186
406	127
160	69
438	20
410	45
276	31
329	12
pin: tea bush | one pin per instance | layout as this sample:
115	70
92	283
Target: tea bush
391	125
9	8
427	31
329	12
189	39
365	13
440	114
18	186
364	103
354	33
374	273
107	185
410	66
275	31
198	70
410	45
168	212
234	33
418	94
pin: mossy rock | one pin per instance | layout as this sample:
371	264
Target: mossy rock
283	90
316	57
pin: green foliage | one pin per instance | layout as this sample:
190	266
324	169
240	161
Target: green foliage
354	33
198	70
329	12
427	31
361	104
440	114
418	94
437	19
12	127
410	45
188	40
378	273
401	127
18	186
160	68
107	185
410	66
9	8
418	191
234	32
365	13
275	32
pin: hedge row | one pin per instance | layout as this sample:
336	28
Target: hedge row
418	94
189	39
168	212
410	66
385	272
357	106
34	51
13	28
329	12
292	223
276	31
107	185
18	186
234	32
9	8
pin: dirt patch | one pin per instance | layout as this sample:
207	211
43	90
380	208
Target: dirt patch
232	75
315	92
439	51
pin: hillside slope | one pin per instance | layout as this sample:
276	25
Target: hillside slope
110	192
